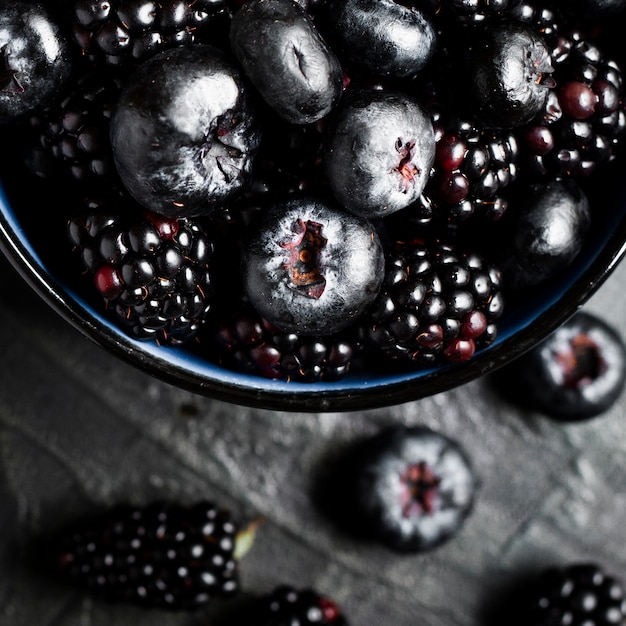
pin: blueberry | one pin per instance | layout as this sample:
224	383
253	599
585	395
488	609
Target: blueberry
286	59
35	59
386	37
577	373
379	152
547	228
312	268
184	132
509	74
413	487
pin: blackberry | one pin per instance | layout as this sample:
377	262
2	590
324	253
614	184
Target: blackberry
584	119
126	32
288	606
73	135
579	593
438	304
162	555
154	273
245	341
472	167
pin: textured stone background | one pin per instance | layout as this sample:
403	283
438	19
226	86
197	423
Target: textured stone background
80	430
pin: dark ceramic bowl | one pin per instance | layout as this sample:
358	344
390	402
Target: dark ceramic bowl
27	229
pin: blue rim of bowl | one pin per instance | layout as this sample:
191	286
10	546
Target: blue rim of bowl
520	331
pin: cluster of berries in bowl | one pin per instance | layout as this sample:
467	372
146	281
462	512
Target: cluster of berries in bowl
313	194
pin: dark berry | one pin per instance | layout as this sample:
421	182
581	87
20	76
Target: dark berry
126	32
184	133
384	37
577	373
312	268
438	304
245	341
547	228
286	58
379	151
509	74
288	606
584	120
74	133
473	167
35	59
162	555
579	593
413	488
153	273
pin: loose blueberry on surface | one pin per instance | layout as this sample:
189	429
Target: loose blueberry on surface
287	60
379	152
312	268
509	74
184	132
413	488
547	229
35	59
385	37
577	373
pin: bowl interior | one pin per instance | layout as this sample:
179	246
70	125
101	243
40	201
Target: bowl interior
32	236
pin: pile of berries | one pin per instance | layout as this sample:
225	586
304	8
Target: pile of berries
292	189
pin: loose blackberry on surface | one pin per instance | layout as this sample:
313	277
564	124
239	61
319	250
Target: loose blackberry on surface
581	592
289	606
162	555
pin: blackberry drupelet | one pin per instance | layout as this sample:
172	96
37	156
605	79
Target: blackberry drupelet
472	168
580	593
287	606
584	120
120	32
162	555
154	273
73	135
438	304
245	341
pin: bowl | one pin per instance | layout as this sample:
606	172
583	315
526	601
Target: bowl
32	220
29	219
